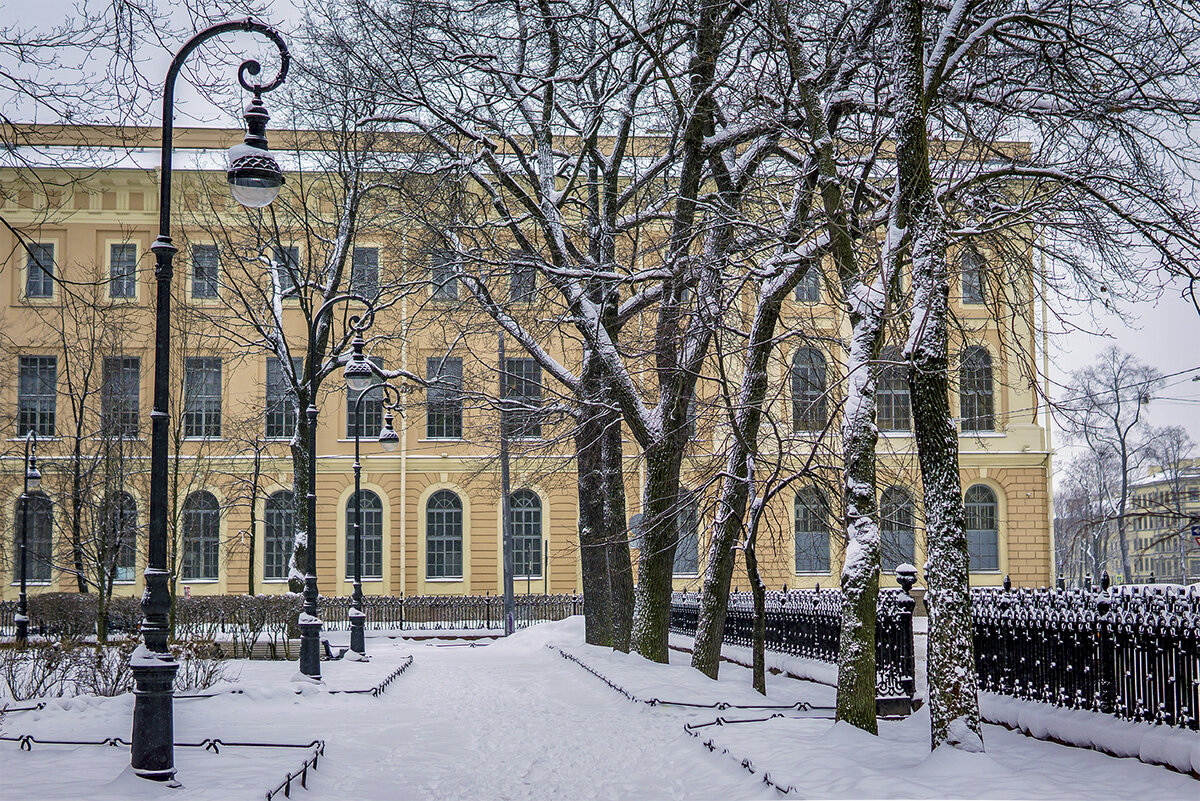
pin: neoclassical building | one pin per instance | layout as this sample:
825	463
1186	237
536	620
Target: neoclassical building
76	293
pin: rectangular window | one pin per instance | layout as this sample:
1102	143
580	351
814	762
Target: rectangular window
443	274
521	399
370	410
122	270
205	265
39	270
281	400
120	396
37	389
972	278
443	398
809	288
364	273
522	282
202	397
287	268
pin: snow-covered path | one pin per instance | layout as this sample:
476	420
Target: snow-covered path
501	722
514	720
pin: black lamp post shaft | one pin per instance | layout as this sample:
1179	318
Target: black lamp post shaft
358	617
23	599
152	754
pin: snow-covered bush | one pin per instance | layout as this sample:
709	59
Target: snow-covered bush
104	670
200	666
37	670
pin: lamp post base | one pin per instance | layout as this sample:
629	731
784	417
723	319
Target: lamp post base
153	751
310	646
358	637
22	628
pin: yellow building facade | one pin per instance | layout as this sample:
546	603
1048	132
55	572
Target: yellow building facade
90	328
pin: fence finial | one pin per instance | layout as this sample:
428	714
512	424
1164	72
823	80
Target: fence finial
1105	581
1007	583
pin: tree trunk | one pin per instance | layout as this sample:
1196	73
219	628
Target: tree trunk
759	593
731	508
300	467
656	562
620	566
860	569
953	704
77	514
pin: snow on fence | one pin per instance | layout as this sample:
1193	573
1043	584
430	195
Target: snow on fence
1132	652
807	624
247	616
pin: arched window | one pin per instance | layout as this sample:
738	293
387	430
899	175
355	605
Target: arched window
372	536
525	511
443	535
279	535
687	547
120	535
983	532
201	537
812	531
896	533
975	390
893	403
808	390
39	542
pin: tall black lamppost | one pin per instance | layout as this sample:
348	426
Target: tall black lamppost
33	479
254	180
358	374
388	440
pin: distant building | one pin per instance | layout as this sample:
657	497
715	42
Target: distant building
1164	523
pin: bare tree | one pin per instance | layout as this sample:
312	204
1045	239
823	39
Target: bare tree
1105	412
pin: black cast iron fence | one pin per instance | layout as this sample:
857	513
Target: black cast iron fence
807	623
1131	651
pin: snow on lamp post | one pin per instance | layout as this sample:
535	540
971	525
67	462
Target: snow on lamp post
152	754
33	480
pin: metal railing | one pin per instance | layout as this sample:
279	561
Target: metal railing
807	624
1131	652
273	616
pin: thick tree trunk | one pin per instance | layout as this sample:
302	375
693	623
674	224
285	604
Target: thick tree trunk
620	565
593	546
953	704
656	562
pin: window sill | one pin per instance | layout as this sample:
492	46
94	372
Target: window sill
982	434
442	439
124	582
274	581
366	580
29	583
685	575
444	580
203	439
826	574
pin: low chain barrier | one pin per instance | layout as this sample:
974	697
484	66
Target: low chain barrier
375	691
808	624
26	742
1130	652
719	705
693	730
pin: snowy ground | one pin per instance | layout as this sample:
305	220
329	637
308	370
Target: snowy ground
515	720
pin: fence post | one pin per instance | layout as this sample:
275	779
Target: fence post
908	680
1108	667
